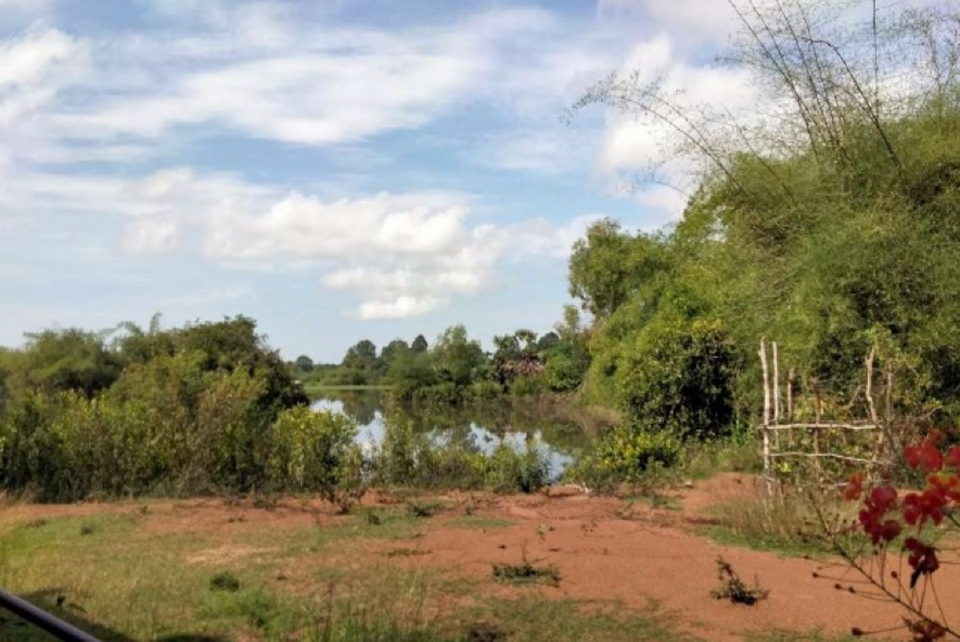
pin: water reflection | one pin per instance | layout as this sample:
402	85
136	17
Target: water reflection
472	427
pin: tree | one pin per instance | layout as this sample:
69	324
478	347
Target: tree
362	356
548	341
66	360
456	356
304	363
392	350
419	344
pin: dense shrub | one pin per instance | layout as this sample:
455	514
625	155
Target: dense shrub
679	377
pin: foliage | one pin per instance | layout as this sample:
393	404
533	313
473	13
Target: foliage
826	223
513	471
315	451
630	453
677	377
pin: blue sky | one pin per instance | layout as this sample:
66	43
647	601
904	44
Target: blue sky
337	170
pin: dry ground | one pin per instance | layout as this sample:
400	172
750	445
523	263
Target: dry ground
614	556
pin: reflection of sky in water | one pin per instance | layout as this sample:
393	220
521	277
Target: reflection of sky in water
371	434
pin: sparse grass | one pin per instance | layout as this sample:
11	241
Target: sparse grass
534	619
406	552
479	522
789	525
422	509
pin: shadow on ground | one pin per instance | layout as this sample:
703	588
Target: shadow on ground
50	600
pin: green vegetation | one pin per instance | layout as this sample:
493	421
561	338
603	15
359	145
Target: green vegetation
526	573
457	369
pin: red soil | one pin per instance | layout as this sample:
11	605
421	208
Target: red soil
605	553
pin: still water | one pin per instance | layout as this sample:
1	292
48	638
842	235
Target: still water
484	426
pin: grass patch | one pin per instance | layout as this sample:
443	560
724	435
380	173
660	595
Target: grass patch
789	525
422	510
225	581
406	552
478	522
535	619
526	573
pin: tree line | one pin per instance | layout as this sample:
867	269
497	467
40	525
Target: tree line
457	368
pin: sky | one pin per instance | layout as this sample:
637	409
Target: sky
337	170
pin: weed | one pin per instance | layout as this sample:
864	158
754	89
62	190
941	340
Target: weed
526	573
36	523
225	581
732	587
87	529
374	518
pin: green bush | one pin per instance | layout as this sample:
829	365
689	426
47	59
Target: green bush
315	451
528	385
512	471
678	376
447	393
625	456
485	390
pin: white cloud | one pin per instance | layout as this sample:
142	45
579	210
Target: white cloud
400	308
691	20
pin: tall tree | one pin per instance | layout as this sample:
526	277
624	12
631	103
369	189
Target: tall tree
420	344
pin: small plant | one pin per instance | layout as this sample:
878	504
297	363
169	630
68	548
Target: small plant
36	523
732	587
87	529
225	581
374	518
526	573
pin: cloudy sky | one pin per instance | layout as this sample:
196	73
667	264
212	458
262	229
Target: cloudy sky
337	170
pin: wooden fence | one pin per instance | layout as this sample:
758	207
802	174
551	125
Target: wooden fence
825	445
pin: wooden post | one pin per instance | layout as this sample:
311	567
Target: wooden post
870	405
766	415
776	385
791	381
766	383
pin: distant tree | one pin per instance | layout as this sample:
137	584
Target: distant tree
304	363
419	344
548	341
392	349
457	355
71	359
361	356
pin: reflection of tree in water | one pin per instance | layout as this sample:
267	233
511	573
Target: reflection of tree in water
558	430
359	405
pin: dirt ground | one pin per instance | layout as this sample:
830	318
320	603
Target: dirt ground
628	556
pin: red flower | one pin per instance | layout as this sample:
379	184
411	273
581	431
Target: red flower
854	487
923	559
926	456
881	501
928	505
953	457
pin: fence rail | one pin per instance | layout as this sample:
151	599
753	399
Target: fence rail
43	620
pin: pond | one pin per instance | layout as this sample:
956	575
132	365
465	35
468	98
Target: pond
562	434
